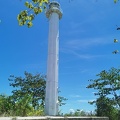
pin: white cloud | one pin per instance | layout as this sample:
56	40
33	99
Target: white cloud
71	110
80	55
87	43
94	92
84	101
84	48
85	56
75	96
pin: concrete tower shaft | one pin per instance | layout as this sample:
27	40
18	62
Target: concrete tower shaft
51	99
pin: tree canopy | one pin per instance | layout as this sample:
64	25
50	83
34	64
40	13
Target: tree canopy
33	85
107	87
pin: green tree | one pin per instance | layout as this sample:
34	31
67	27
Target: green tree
107	86
6	105
62	100
105	107
33	85
23	106
3	104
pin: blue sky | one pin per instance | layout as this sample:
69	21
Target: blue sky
87	30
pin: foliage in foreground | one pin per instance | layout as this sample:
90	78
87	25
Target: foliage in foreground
115	1
34	8
28	96
107	87
8	107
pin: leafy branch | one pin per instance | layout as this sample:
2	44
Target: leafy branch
115	51
115	1
35	7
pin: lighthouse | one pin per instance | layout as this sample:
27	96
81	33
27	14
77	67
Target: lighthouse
54	14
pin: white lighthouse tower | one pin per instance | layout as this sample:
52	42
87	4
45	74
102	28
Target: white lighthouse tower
51	98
